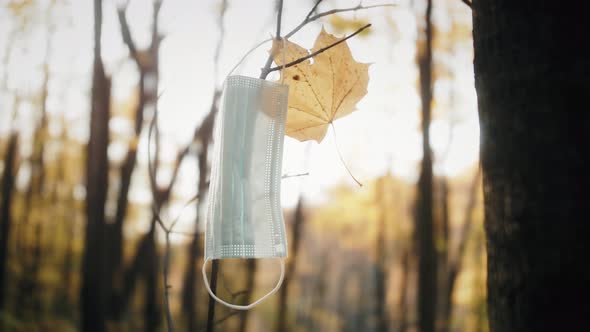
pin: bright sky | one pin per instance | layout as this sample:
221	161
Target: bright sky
382	135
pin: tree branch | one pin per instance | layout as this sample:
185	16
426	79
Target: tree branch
166	284
126	34
468	3
310	18
279	18
312	10
265	70
321	50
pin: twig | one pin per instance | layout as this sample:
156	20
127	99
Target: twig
321	50
167	230
211	305
266	69
155	212
166	284
286	176
226	317
126	34
279	18
312	10
221	30
468	3
310	18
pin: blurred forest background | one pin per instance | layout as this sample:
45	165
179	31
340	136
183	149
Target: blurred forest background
80	242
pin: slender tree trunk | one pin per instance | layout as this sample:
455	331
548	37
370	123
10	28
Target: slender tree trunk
531	73
189	290
298	219
454	261
251	265
92	295
403	299
427	256
211	305
152	318
6	211
380	273
444	295
115	230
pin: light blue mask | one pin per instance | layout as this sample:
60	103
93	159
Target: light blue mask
244	217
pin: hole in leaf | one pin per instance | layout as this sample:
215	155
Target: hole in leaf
296	77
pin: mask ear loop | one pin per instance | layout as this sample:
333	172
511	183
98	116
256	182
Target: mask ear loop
251	305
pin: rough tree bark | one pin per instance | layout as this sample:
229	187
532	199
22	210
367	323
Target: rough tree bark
427	257
5	210
92	295
532	64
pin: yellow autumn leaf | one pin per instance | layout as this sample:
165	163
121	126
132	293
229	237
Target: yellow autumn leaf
323	91
342	24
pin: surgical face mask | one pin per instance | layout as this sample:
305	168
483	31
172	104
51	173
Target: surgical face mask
244	217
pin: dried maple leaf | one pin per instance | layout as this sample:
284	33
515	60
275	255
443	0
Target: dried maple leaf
323	91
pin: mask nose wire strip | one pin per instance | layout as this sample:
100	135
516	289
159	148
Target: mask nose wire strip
251	305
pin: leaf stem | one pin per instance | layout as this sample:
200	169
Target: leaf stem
340	156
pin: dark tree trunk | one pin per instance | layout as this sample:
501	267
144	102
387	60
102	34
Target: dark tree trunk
5	210
298	218
189	290
92	294
532	64
250	283
427	256
115	251
444	295
381	264
211	304
152	306
403	299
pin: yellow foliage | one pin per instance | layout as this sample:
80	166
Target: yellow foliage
323	91
343	25
17	7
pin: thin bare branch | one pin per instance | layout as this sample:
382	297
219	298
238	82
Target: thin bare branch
126	34
287	176
191	201
279	18
351	9
468	3
310	18
312	10
321	50
220	38
167	286
226	317
151	171
266	69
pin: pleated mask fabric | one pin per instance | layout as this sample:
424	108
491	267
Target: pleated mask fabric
244	216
